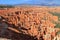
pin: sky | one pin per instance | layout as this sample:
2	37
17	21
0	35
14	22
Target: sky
12	2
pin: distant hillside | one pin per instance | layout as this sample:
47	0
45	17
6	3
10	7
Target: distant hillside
6	6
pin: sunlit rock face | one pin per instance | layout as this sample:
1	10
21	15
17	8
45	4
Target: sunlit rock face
34	21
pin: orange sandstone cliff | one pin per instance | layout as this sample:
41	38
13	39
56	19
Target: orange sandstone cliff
34	21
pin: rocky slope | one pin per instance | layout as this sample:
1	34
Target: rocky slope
36	23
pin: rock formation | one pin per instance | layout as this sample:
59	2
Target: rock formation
36	22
